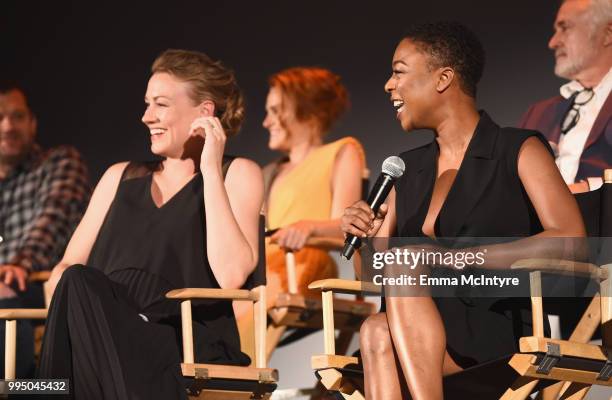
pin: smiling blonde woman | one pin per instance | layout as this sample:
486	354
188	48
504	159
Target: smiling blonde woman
190	220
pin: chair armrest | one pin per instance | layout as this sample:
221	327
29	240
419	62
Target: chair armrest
562	267
39	276
326	243
23	313
322	243
346	286
256	295
223	294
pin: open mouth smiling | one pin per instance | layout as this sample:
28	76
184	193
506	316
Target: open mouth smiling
398	105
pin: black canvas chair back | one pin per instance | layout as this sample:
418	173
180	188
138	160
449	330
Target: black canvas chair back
490	380
596	209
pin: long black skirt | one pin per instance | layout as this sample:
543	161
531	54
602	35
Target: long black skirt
96	337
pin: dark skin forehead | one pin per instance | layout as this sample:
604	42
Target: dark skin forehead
409	53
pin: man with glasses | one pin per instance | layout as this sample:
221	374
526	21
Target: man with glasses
43	195
578	123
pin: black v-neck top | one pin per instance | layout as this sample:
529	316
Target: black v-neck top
486	200
150	250
167	241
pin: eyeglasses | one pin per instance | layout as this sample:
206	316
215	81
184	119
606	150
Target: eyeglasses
572	116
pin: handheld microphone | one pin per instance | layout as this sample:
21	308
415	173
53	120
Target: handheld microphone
392	168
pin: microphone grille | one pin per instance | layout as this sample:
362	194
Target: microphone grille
393	166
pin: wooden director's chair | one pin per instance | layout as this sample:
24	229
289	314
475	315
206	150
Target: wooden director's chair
220	382
295	315
302	315
341	374
206	381
229	382
293	310
11	315
557	369
574	364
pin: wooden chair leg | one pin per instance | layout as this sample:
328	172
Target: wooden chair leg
10	349
588	324
606	308
187	329
331	378
552	392
356	395
582	334
575	391
273	336
520	389
343	341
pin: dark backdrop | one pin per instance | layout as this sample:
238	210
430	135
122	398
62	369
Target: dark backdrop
87	63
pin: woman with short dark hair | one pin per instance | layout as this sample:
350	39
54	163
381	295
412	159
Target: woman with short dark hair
474	180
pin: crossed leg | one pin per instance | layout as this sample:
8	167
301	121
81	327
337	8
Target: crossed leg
409	338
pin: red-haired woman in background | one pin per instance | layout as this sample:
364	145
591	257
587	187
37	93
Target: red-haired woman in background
308	189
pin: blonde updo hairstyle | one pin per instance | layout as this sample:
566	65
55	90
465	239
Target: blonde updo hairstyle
209	80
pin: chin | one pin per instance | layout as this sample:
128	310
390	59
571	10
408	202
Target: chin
157	149
566	70
275	145
406	125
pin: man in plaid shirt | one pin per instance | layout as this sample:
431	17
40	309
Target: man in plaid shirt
43	195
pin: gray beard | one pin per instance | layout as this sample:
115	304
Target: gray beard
568	70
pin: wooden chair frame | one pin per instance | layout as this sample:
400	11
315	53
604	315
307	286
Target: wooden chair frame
209	379
338	373
539	355
294	310
10	317
260	380
343	374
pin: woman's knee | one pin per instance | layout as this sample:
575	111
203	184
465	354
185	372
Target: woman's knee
76	271
374	336
80	275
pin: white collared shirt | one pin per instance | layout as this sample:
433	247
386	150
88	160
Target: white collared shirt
572	143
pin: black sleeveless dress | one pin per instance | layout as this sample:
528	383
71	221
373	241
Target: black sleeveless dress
486	200
110	329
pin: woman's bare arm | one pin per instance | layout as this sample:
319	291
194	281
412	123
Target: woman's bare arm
232	222
83	238
563	227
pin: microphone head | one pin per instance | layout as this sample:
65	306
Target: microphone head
394	167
